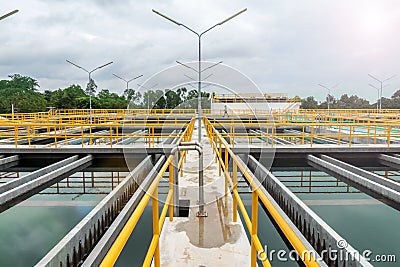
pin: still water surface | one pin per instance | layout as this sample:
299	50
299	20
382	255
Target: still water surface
27	233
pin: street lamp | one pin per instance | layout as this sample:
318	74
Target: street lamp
3	17
381	88
199	35
127	81
90	77
329	94
377	101
9	14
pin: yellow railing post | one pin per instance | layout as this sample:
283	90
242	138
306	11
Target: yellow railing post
55	136
171	189
254	226
29	136
90	135
156	229
351	135
220	156
234	166
226	169
16	135
111	134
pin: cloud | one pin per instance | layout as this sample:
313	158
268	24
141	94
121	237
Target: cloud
282	46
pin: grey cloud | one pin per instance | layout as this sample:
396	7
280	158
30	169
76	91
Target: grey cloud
283	46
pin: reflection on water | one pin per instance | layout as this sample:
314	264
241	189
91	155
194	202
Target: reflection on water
136	248
28	233
366	227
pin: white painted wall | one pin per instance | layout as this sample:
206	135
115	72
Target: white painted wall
249	108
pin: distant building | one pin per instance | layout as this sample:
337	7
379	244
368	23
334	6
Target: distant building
241	104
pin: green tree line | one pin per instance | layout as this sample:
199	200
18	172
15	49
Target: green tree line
22	92
351	102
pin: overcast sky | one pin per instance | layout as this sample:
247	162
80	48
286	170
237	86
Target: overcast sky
283	46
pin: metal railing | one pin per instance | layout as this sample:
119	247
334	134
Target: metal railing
79	133
309	132
153	252
218	143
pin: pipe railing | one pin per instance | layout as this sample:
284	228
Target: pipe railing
218	142
153	253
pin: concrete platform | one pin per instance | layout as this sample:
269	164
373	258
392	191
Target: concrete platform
211	241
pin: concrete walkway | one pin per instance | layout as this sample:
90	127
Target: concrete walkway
211	241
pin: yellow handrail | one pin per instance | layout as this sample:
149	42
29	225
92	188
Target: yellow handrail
217	140
158	221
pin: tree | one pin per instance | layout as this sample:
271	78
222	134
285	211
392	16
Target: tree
172	99
153	99
66	98
132	96
91	87
352	102
159	99
23	100
107	100
396	94
192	99
309	103
22	82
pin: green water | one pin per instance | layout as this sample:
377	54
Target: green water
366	227
28	233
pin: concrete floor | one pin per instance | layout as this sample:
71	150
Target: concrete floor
211	241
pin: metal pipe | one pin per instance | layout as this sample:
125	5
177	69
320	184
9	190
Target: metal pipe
185	146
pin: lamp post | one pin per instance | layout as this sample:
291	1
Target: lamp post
90	78
377	101
329	94
1	18
127	81
381	87
199	35
9	14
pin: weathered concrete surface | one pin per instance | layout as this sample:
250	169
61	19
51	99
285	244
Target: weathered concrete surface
391	161
36	174
9	161
314	232
375	189
211	241
22	192
366	174
80	233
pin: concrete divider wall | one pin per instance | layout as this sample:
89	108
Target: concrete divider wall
25	190
4	161
100	250
375	187
36	174
77	244
255	175
366	174
320	235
